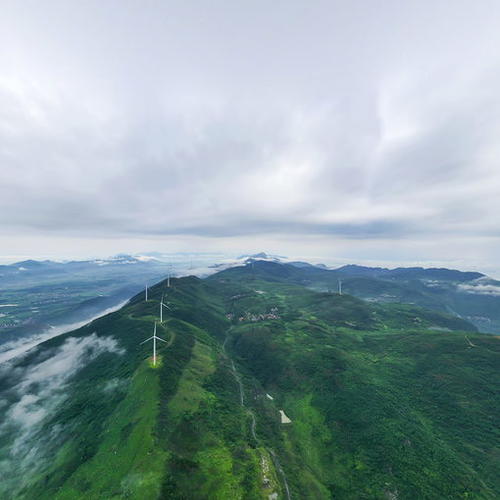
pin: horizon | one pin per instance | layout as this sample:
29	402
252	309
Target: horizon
220	257
327	130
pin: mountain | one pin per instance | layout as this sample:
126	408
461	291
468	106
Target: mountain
33	264
264	388
37	296
469	295
26	269
262	256
409	273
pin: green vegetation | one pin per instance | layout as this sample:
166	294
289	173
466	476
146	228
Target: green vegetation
388	401
128	463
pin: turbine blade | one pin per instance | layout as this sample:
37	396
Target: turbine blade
143	342
158	338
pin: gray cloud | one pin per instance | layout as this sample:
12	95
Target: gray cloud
352	121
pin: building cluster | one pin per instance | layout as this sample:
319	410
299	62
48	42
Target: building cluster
254	317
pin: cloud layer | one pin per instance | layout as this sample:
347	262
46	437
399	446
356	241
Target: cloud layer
40	389
480	289
14	348
331	121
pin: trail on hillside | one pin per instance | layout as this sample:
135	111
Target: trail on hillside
240	384
281	471
253	425
171	333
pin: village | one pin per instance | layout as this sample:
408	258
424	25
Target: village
255	317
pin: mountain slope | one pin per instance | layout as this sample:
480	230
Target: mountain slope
385	400
469	295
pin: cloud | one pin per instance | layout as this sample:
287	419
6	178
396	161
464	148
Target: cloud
40	386
39	390
115	384
18	348
480	289
213	122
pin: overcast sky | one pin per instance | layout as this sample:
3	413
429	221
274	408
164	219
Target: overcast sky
352	130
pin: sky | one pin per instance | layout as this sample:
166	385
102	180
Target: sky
348	131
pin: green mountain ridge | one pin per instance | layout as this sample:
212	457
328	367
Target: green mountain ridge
469	295
386	400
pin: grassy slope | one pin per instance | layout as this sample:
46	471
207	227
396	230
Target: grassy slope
174	431
382	405
128	463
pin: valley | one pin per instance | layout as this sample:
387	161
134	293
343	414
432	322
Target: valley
40	300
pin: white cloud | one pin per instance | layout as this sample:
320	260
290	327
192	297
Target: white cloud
480	289
40	386
115	384
40	389
17	348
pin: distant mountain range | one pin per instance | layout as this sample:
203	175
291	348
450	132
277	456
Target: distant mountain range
409	273
50	266
469	295
36	296
269	385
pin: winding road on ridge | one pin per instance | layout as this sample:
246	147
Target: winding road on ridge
253	425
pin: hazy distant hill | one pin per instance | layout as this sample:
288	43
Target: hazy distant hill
35	295
409	273
265	386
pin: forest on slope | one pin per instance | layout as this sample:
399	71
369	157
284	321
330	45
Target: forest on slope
385	400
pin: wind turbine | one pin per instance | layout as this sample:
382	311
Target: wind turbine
146	292
154	338
340	287
470	343
162	305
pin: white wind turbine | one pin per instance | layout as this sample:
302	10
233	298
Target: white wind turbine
162	305
146	292
340	287
169	274
154	338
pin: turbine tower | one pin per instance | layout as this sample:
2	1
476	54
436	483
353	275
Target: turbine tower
154	338
146	292
340	287
169	274
162	305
